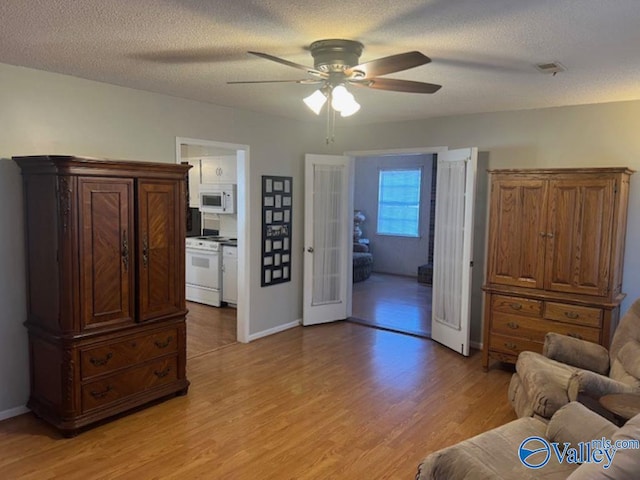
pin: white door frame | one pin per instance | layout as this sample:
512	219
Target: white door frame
244	227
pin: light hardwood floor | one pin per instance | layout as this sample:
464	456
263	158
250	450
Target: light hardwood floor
336	401
209	328
393	302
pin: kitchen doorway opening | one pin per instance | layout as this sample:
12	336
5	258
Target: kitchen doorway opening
210	327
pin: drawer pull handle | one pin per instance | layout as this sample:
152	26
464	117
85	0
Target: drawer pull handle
100	362
516	306
575	335
513	325
133	344
162	373
572	315
160	344
511	346
103	393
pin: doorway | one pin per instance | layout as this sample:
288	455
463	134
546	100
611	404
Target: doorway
212	327
397	294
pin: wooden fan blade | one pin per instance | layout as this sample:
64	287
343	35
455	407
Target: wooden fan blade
396	85
306	81
309	70
390	64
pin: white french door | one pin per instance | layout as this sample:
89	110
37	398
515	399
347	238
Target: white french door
453	252
327	238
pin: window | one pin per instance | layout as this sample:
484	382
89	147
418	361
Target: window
399	202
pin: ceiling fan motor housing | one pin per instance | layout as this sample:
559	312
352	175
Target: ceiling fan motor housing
335	55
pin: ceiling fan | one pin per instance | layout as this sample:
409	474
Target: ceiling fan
336	66
336	61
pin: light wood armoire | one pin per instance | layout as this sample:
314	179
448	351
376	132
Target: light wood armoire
106	290
555	257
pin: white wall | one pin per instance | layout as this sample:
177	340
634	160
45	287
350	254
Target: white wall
393	254
46	113
583	136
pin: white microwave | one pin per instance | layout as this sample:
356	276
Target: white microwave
217	198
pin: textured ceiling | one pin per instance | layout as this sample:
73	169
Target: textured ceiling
483	52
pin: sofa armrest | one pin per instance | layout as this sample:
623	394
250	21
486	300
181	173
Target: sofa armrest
593	385
575	423
577	353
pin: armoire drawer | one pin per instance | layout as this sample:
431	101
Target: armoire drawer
136	379
512	345
573	314
516	305
535	329
123	353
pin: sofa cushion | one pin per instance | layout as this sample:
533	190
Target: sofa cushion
625	464
575	423
545	381
626	364
492	455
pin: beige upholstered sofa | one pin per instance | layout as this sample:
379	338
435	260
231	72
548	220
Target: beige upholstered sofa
494	455
572	369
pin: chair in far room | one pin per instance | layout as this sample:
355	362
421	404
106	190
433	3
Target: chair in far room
362	262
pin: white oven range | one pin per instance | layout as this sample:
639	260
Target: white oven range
203	269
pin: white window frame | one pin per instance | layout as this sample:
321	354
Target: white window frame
419	169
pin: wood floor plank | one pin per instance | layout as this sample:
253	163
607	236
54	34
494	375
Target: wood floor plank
393	302
337	401
209	328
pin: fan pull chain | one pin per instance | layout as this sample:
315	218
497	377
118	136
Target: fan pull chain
328	120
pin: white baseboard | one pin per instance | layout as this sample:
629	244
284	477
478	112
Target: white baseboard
271	331
13	412
476	345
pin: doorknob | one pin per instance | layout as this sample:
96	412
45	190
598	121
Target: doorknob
310	249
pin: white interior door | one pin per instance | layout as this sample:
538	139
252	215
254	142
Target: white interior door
328	237
453	255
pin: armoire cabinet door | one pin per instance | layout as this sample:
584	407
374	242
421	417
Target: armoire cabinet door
517	233
580	226
161	283
107	258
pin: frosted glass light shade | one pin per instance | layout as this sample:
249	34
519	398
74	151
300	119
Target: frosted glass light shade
343	101
316	101
350	109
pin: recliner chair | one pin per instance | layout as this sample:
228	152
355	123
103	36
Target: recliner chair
572	369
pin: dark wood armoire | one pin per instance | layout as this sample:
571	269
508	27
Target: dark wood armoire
106	286
555	257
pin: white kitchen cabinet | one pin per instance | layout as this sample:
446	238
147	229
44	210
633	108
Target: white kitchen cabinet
230	274
218	169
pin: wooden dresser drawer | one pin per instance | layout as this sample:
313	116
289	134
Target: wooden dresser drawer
512	345
535	329
576	314
516	305
123	353
136	379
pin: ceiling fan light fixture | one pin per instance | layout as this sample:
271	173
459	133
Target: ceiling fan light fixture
343	101
350	109
316	101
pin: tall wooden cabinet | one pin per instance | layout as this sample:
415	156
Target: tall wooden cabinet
106	286
555	257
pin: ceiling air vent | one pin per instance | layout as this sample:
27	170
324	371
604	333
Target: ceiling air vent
550	67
